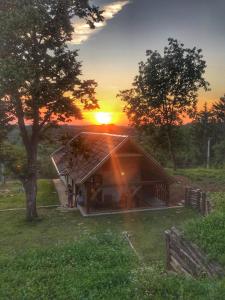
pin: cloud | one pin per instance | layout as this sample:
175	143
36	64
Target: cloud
82	31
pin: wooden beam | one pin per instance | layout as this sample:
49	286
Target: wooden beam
131	184
136	190
121	155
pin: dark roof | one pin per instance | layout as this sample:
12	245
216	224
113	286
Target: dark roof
100	147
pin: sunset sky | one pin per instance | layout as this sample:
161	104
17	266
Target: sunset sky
111	52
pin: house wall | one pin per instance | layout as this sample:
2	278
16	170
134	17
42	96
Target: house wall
121	185
121	171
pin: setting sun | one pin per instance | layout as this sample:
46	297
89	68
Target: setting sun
103	117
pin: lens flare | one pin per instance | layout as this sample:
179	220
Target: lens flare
103	117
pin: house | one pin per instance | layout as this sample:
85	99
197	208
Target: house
111	172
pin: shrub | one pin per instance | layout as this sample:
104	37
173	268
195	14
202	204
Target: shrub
218	201
154	283
208	234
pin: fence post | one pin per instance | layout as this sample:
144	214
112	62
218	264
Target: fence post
204	204
198	200
167	238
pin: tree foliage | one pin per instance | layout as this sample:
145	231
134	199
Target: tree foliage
5	121
165	91
39	73
218	110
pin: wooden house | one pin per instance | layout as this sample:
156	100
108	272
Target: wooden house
112	173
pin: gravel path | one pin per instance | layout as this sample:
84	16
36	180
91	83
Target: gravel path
61	190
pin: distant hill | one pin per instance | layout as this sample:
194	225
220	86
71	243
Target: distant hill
114	129
55	133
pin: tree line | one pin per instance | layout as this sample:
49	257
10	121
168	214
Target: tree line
198	143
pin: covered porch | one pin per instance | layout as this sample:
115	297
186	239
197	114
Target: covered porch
145	194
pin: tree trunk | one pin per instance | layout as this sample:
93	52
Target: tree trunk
171	148
30	186
3	179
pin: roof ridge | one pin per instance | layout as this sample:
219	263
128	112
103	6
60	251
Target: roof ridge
103	133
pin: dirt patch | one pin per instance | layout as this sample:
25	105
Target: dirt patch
177	190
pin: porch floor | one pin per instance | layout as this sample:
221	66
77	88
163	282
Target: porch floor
113	212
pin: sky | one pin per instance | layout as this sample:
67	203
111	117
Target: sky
111	52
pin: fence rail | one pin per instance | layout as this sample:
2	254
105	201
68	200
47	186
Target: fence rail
186	258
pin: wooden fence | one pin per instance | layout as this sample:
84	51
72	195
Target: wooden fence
186	258
198	200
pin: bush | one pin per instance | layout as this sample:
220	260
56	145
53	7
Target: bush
218	201
155	283
209	234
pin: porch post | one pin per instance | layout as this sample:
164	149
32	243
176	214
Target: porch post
87	195
74	193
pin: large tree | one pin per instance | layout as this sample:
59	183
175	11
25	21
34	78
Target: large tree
165	91
40	74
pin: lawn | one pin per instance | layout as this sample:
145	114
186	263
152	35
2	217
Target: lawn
66	256
12	194
97	267
56	228
207	179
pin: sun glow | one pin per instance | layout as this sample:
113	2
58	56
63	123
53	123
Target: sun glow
103	117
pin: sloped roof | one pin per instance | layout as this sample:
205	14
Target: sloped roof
100	147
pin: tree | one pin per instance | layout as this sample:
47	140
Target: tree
218	110
40	74
203	129
165	91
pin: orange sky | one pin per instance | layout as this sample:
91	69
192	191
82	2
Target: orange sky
110	54
110	103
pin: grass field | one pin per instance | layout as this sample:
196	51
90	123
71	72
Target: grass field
207	179
66	256
12	194
56	228
97	267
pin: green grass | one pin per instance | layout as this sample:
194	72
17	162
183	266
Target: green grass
12	194
208	233
155	284
218	201
85	260
57	228
201	175
66	256
97	267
